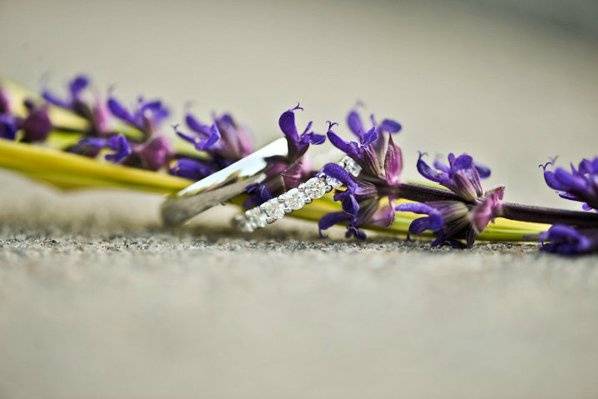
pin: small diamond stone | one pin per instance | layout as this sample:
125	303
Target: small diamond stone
293	200
273	209
256	217
243	223
332	183
351	166
314	188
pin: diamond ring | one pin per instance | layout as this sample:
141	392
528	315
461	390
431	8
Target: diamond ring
292	200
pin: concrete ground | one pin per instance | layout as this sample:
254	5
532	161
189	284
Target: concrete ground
102	304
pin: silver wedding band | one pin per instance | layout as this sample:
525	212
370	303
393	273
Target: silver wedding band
221	186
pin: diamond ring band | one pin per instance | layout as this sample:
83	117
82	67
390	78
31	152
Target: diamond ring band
292	200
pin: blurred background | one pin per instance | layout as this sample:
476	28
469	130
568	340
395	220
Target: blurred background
511	82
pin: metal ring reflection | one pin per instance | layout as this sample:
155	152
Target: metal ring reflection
220	186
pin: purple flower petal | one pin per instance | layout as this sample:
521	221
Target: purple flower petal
121	147
77	85
330	219
463	161
313	138
390	126
288	126
483	170
438	164
156	153
119	111
349	148
553	182
383	216
393	162
8	127
572	182
433	222
355	124
191	169
339	173
566	240
369	137
55	100
426	171
487	209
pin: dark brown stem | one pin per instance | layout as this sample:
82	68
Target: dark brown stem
524	213
538	214
420	193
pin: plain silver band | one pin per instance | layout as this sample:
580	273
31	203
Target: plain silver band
221	186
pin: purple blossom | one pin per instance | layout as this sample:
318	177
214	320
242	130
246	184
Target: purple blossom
117	143
361	204
235	141
191	168
146	116
76	87
579	184
381	163
284	173
154	154
462	175
9	125
96	113
298	143
567	240
36	125
451	220
380	158
224	139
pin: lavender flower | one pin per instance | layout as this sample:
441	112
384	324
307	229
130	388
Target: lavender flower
192	169
380	159
146	116
567	240
224	139
580	184
462	175
96	113
452	221
36	125
9	125
117	143
381	163
155	150
152	155
297	143
284	173
361	204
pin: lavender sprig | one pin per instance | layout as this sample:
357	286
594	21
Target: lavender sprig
284	173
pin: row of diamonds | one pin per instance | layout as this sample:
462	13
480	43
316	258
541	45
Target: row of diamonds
294	199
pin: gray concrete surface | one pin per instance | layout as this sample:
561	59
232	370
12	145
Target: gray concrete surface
97	301
101	302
